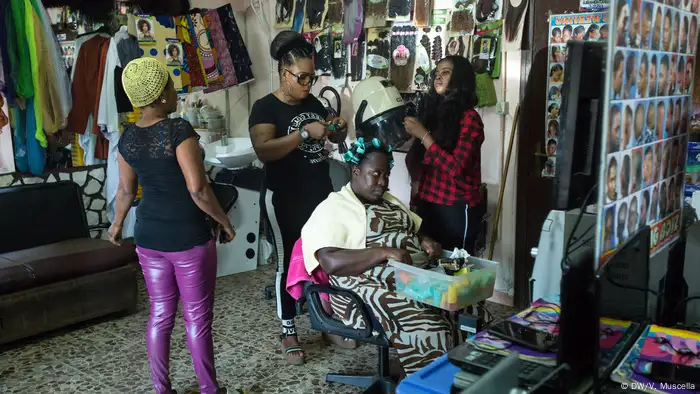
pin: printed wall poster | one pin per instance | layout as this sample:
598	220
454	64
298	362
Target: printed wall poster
145	29
7	158
645	134
594	5
173	52
692	169
562	28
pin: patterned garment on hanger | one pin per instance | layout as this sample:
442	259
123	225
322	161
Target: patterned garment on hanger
236	46
192	75
207	54
218	39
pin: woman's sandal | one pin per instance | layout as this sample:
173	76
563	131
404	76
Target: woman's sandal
293	359
341	342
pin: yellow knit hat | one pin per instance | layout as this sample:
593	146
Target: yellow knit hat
144	80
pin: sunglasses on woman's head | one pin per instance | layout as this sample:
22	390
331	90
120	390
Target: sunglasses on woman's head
304	79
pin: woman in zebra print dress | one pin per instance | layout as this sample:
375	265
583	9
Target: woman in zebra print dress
353	233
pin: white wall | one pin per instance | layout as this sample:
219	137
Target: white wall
497	130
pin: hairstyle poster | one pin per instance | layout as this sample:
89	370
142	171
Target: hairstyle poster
651	61
173	52
562	28
145	29
7	158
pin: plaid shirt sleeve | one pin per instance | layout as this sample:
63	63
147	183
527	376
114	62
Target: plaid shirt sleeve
468	147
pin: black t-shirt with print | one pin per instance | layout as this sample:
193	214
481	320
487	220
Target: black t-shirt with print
304	172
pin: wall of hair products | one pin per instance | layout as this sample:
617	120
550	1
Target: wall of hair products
590	26
651	65
401	39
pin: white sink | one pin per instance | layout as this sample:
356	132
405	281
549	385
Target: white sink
236	154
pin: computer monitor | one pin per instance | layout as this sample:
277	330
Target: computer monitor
580	124
578	320
622	284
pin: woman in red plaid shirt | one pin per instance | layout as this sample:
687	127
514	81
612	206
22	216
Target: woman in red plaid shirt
445	159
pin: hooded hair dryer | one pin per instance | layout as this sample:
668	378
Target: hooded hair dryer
379	111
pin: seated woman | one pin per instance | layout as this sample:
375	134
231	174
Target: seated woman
353	233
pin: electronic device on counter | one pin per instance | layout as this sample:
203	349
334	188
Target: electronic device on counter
674	373
580	124
501	379
522	335
473	360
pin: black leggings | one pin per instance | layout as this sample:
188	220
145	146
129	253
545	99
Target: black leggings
452	226
285	217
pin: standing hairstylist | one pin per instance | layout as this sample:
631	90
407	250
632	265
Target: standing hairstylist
445	159
289	128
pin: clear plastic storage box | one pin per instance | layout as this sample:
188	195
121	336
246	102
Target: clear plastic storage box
450	293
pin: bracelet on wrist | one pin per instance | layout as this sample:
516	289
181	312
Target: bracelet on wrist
422	140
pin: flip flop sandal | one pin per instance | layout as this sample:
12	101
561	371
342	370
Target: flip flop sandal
341	342
291	358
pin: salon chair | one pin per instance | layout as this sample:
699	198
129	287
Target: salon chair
380	382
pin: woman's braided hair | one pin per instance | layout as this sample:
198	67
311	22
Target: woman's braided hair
361	148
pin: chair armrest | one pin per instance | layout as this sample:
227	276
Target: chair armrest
328	323
99	227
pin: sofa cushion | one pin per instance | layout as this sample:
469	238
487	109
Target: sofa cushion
28	268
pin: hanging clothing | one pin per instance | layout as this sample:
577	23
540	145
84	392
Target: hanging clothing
192	75
107	114
39	92
236	47
218	39
205	51
59	78
30	156
8	51
128	49
22	69
87	89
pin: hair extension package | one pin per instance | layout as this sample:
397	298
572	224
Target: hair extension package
335	12
463	17
315	14
399	10
487	55
339	62
284	13
299	12
403	55
323	50
357	59
421	13
421	76
378	51
375	13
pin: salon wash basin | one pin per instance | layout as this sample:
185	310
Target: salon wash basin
237	153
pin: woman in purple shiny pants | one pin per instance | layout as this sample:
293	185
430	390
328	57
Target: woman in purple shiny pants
174	239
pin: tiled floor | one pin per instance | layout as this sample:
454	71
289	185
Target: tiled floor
109	356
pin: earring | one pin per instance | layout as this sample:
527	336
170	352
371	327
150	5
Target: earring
163	100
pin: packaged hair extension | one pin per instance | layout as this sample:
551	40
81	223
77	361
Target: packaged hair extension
487	53
340	53
353	20
463	17
437	37
335	12
456	46
422	67
488	10
284	13
323	50
378	51
315	14
357	59
399	10
403	55
299	12
375	13
421	13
